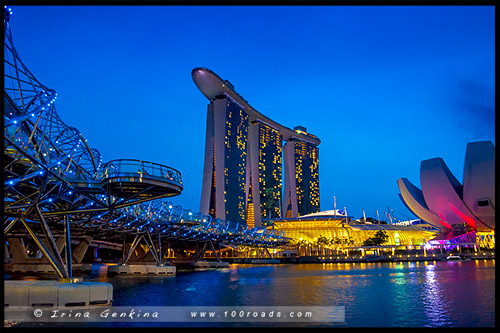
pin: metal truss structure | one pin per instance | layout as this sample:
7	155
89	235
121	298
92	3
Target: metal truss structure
55	182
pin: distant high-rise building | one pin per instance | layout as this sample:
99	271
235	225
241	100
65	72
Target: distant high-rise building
244	153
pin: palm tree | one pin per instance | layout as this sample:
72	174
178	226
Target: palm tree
302	243
322	243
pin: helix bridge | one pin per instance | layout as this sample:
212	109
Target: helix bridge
56	185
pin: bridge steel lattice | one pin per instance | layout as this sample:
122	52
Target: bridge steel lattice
56	184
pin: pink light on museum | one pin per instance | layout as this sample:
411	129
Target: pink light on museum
469	220
443	221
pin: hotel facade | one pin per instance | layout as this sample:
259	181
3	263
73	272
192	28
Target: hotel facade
247	157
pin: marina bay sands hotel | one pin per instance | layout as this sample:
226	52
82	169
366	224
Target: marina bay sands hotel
245	158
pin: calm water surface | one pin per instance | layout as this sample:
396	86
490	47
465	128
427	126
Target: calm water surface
410	294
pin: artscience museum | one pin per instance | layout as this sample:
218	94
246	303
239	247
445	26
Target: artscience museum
464	212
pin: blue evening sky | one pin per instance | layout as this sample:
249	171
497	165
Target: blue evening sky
383	87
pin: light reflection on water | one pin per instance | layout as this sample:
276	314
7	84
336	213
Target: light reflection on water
435	306
404	294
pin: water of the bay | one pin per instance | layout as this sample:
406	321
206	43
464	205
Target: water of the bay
405	294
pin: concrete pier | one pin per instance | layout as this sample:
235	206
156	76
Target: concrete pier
20	293
141	270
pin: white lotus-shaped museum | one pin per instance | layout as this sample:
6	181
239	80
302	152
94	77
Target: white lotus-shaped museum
444	202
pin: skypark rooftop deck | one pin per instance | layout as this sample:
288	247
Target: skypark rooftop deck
212	85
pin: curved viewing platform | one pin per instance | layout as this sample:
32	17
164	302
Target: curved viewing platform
126	177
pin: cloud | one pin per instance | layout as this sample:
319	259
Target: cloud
474	108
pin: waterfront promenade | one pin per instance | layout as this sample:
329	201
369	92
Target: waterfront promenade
486	255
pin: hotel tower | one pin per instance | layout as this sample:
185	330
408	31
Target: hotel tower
246	161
